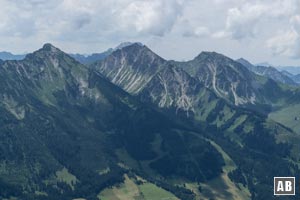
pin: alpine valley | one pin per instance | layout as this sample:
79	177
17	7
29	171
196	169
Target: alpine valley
128	124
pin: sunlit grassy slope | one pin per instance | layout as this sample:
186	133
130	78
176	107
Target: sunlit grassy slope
135	188
288	116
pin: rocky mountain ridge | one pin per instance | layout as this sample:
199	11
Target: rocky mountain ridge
70	131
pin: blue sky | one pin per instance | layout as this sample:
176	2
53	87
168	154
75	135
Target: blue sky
258	30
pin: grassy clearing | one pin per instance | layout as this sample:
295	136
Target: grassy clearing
289	116
104	171
227	114
237	122
221	187
203	112
130	190
152	192
64	176
127	162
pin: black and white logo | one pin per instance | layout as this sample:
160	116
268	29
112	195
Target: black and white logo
284	185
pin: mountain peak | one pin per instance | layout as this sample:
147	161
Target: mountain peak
123	44
136	48
126	44
243	60
246	63
131	67
45	52
210	54
50	47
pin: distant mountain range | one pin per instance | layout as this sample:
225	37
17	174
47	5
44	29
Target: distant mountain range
269	71
94	57
9	56
291	69
208	128
89	59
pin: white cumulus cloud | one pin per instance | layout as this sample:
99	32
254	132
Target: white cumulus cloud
287	42
269	27
154	16
248	19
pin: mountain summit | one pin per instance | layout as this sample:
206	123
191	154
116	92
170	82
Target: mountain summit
126	44
50	47
229	79
130	67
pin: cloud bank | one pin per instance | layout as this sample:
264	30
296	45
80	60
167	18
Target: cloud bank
91	25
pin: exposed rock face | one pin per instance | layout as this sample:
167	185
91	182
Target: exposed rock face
131	67
139	71
172	87
231	80
169	84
